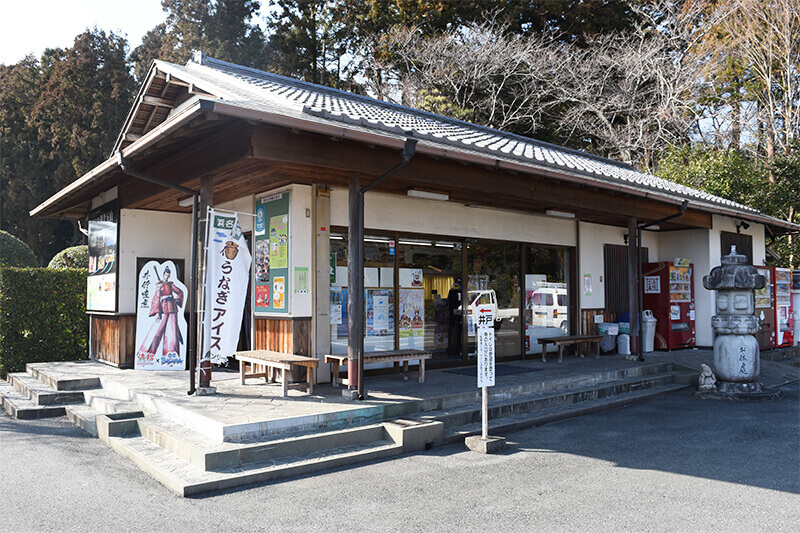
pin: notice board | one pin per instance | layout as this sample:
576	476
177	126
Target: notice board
271	253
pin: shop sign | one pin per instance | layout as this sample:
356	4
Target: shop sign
484	320
227	275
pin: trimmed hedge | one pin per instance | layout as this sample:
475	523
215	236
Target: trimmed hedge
42	316
73	257
15	253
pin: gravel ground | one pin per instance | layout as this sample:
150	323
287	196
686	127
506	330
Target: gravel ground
672	464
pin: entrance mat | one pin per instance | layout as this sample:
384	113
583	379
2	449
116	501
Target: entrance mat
499	370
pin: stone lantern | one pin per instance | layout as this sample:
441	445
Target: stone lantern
736	352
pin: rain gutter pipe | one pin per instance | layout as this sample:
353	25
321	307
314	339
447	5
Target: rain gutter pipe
358	218
124	165
639	229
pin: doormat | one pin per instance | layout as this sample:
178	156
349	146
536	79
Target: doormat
499	370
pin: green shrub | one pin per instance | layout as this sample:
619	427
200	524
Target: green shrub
15	253
73	257
42	316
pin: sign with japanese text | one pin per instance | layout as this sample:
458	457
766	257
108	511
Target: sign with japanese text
272	254
160	319
101	283
484	320
227	274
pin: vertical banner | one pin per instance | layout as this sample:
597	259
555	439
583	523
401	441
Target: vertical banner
160	322
101	283
271	253
227	274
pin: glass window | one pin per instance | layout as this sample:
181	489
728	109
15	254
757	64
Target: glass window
493	279
430	296
379	293
546	295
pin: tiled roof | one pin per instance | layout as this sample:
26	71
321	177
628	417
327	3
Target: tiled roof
262	91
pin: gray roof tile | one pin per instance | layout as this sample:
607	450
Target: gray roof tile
263	91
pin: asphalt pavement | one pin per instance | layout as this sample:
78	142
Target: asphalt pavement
672	464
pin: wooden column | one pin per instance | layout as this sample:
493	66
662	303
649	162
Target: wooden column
355	283
206	201
633	283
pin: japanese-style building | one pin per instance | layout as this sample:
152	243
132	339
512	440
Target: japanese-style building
454	214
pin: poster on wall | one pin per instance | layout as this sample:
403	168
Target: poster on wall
380	312
271	253
160	319
227	276
101	283
412	317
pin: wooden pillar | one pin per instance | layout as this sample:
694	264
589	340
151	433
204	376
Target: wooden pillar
206	201
355	283
633	282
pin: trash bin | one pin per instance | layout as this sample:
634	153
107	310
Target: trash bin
648	330
609	331
624	344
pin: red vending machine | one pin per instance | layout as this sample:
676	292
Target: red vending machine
784	315
669	293
765	310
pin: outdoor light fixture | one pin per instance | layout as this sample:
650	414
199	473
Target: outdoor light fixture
186	202
428	195
561	214
742	225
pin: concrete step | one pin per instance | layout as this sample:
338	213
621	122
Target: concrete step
63	382
501	405
20	407
85	416
40	393
525	420
194	465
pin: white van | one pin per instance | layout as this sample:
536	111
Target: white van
549	307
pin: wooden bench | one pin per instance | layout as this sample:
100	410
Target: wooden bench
392	356
275	361
570	340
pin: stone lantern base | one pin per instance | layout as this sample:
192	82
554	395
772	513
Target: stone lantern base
739	392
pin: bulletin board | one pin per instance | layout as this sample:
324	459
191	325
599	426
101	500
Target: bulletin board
271	254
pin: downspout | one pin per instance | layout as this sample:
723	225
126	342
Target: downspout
408	152
639	229
124	165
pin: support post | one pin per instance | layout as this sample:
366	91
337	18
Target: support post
206	201
633	283
355	283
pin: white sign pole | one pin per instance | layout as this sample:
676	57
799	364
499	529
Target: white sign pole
485	324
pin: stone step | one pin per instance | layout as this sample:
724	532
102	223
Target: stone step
63	382
191	466
525	420
85	416
20	407
503	405
189	480
40	393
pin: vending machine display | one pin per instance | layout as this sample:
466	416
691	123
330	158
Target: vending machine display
784	316
669	294
765	311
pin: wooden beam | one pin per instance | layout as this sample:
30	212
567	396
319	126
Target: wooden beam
473	183
160	102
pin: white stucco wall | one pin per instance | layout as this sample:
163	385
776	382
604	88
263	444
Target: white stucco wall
594	237
149	234
414	215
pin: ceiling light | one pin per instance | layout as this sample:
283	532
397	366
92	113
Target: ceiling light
560	214
428	195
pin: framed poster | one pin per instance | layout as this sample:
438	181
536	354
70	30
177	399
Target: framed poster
101	283
271	253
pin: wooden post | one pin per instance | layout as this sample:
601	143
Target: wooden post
206	201
633	283
355	284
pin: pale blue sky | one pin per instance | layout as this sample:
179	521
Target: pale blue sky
31	26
